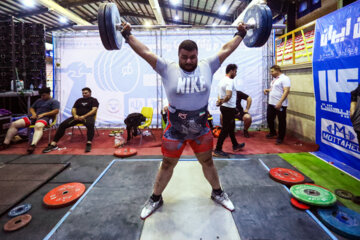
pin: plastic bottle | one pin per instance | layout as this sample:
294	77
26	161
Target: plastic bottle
119	140
31	87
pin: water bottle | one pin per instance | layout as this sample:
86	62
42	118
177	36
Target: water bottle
31	87
119	140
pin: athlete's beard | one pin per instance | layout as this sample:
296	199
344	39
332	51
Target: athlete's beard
188	67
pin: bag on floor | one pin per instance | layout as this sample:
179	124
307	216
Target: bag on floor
216	131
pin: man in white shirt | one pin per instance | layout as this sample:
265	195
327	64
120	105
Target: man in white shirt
227	103
278	102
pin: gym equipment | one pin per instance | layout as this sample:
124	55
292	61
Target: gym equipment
344	194
125	152
341	220
299	205
19	210
258	21
286	176
17	223
313	195
64	195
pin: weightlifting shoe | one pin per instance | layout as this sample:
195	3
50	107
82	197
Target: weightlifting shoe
246	134
220	153
223	200
271	135
50	148
150	207
238	147
31	149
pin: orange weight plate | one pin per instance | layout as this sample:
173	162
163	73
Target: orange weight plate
125	152
64	195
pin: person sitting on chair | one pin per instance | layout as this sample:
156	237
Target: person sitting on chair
41	111
83	111
241	114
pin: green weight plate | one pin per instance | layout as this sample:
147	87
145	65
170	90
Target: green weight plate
313	195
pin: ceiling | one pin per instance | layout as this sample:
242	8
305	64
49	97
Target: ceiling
136	12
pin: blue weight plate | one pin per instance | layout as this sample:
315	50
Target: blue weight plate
112	17
258	16
265	36
20	210
341	220
102	27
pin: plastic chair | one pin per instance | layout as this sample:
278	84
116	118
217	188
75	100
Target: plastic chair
147	112
52	124
82	125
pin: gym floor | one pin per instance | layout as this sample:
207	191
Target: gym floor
117	189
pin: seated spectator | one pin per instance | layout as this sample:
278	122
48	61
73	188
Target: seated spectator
41	112
83	111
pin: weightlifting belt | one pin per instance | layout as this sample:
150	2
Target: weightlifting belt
186	125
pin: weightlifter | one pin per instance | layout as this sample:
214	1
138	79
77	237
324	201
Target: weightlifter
187	85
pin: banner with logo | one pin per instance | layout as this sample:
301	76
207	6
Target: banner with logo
336	67
123	82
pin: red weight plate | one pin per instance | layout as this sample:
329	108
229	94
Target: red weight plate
286	176
299	205
317	185
17	222
64	195
125	152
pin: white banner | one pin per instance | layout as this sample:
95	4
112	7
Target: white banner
124	83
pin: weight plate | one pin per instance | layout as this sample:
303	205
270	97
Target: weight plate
286	176
313	195
125	152
266	34
20	210
102	27
17	222
64	195
258	16
316	185
341	220
344	194
112	17
299	205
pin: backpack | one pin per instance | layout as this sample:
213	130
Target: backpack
216	131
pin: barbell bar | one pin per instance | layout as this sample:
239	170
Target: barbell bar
257	19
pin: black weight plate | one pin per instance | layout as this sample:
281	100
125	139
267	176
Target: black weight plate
102	27
112	17
264	38
258	16
344	194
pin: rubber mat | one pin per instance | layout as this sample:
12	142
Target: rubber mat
8	158
325	175
19	180
263	209
112	207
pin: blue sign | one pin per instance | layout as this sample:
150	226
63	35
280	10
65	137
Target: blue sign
336	59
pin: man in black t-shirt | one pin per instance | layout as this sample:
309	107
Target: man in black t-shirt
241	114
355	111
83	111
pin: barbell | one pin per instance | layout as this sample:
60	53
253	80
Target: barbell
257	19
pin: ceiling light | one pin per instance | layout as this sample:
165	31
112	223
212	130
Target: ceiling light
147	24
214	24
28	3
174	2
176	18
223	9
63	19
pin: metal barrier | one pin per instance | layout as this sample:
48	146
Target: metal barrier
300	48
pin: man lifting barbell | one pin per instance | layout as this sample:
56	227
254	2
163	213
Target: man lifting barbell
187	86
